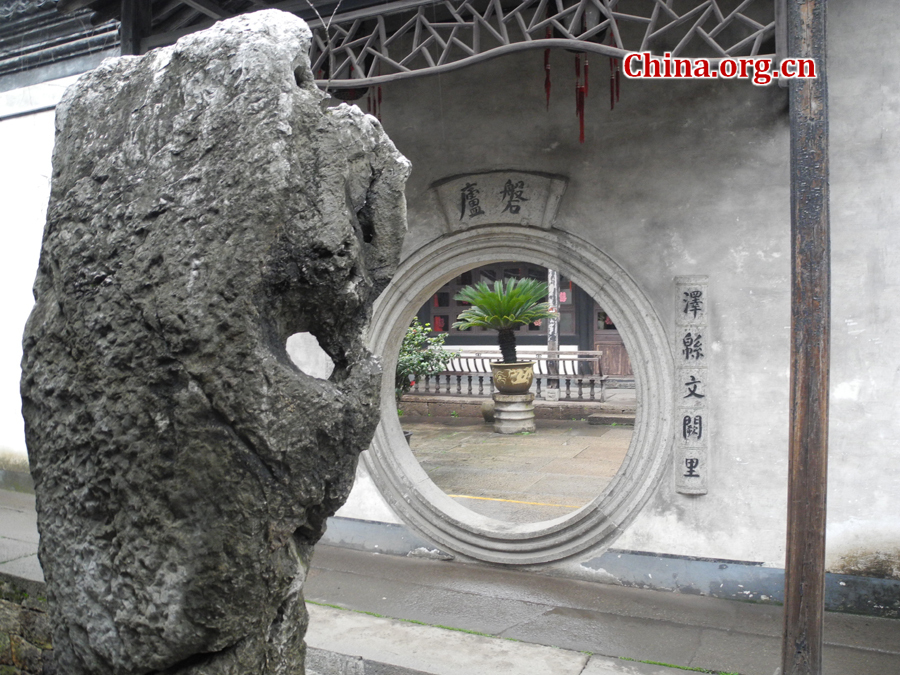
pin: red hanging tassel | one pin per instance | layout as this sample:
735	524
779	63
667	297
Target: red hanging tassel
547	76
584	93
586	76
581	115
612	83
582	89
614	76
580	92
376	96
547	69
577	82
618	73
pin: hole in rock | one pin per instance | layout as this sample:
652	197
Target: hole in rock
305	353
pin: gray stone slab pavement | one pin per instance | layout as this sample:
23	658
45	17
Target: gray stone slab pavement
551	625
342	642
18	536
580	616
519	479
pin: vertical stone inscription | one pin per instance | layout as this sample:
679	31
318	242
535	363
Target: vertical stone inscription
691	385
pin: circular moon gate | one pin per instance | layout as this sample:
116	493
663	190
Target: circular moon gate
406	486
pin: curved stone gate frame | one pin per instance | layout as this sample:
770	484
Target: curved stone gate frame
424	506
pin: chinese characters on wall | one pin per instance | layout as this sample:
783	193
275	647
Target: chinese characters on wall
513	196
691	390
470	202
504	197
510	197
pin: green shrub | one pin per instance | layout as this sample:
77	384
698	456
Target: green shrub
420	355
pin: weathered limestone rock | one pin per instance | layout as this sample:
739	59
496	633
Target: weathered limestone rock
205	206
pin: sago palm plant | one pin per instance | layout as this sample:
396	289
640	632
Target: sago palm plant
509	304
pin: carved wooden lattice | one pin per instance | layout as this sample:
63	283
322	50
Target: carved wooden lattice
418	37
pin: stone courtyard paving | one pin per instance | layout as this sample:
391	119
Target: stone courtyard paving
521	478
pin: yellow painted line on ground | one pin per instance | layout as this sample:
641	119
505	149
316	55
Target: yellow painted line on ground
514	501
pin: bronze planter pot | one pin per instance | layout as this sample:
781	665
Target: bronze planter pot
513	378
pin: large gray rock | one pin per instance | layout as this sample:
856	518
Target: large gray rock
205	206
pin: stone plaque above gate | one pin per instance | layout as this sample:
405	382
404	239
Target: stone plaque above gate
500	198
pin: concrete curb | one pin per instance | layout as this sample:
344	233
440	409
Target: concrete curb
606	418
417	406
725	579
343	642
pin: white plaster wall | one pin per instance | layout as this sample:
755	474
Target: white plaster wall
693	178
27	144
864	464
680	179
365	501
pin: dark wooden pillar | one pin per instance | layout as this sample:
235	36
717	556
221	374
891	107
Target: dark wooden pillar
135	25
585	325
810	347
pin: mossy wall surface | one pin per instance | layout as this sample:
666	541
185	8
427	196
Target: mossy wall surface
25	643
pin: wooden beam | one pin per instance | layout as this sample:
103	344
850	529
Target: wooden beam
170	37
67	6
804	596
185	17
135	25
781	46
209	8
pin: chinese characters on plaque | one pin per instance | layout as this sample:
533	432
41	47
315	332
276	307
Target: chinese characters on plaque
513	196
470	202
691	392
510	196
506	197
